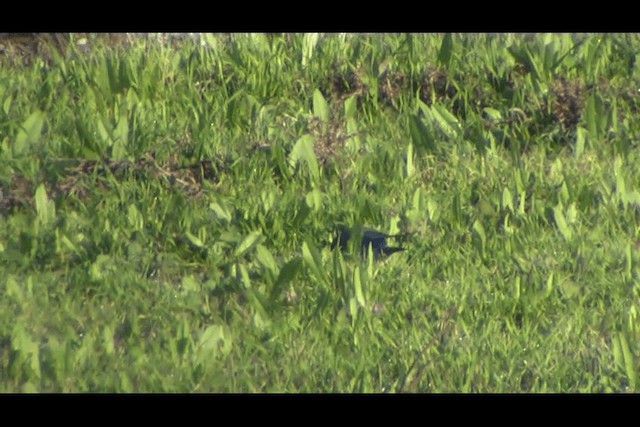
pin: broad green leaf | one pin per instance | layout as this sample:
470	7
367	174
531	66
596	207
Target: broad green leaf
99	267
353	142
621	186
562	223
303	151
27	348
309	42
580	141
410	168
264	257
549	286
629	361
596	118
6	105
29	132
287	273
420	134
278	158
628	264
492	113
433	208
314	199
14	290
243	274
370	262
121	136
618	357
260	304
215	340
104	133
320	106
591	120
507	199
516	292
479	229
446	50
447	122
353	310
45	208
312	259
135	217
195	240
632	198
350	107
107	340
219	211
358	286
572	214
250	241
190	284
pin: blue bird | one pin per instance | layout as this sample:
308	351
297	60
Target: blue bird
370	237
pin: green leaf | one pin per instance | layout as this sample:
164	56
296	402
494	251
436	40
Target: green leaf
264	257
629	361
215	340
190	284
617	352
6	105
447	122
243	274
29	132
312	259
358	285
410	168
122	128
195	241
350	107
250	241
492	113
314	199
446	50
303	151
309	42
549	286
14	290
107	340
287	274
135	217
320	106
45	208
104	133
480	233
572	214
28	350
596	118
219	211
580	141
507	199
562	223
420	134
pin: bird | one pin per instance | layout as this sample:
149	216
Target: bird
370	237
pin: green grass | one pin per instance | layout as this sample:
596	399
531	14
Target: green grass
166	213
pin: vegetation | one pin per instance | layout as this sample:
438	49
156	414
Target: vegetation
165	214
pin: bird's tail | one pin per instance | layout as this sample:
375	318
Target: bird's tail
391	250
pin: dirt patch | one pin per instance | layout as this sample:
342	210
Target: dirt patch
567	101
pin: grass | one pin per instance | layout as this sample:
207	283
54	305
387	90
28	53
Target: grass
166	213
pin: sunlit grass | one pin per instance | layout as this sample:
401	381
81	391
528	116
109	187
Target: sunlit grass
166	214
